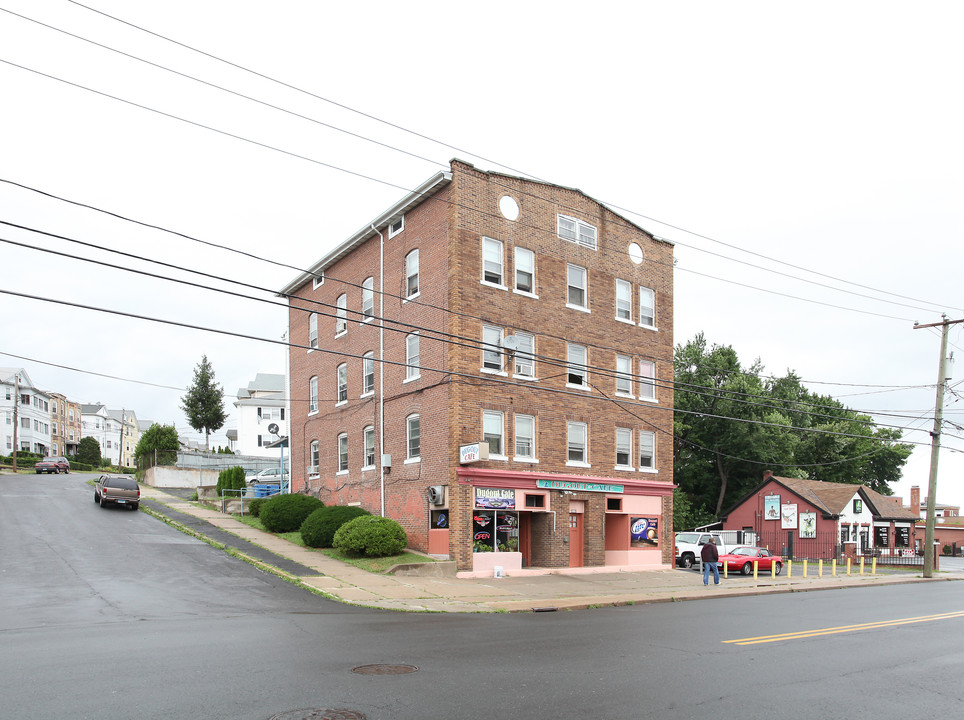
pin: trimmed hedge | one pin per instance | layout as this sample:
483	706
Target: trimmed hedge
231	479
318	529
285	513
372	536
254	507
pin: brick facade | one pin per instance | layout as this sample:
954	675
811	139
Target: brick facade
447	225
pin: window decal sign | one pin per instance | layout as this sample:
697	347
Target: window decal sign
644	532
496	498
771	507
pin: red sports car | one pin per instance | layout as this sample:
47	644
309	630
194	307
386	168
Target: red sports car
740	559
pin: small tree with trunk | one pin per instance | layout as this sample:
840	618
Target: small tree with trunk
204	402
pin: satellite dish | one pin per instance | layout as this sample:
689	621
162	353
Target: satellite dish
510	342
273	428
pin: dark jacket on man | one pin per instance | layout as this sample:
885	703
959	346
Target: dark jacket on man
709	553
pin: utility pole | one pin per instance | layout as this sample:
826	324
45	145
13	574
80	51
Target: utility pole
16	417
935	444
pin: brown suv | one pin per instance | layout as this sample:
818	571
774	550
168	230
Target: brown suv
117	489
52	465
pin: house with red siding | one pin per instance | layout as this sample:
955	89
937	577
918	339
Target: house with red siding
814	519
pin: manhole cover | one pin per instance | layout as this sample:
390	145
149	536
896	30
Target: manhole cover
382	669
319	714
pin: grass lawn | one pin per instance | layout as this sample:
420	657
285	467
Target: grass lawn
375	565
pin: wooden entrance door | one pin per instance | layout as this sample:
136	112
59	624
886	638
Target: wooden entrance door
575	539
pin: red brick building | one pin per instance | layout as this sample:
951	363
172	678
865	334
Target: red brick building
490	363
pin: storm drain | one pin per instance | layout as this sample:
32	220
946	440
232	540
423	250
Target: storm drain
319	714
382	669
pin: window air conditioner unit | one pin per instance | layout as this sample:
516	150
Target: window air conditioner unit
436	495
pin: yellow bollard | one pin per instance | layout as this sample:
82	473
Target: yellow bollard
834	567
804	568
873	566
861	566
820	568
725	569
756	565
848	565
789	568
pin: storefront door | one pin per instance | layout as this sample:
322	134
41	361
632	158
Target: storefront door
575	539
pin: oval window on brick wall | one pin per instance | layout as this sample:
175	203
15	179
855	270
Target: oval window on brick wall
509	208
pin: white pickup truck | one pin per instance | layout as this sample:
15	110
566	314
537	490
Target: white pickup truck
689	545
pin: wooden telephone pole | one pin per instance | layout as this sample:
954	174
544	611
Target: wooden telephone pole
935	444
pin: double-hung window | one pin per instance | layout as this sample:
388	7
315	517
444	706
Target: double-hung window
368	437
313	468
578	374
491	348
492	262
578	441
343	453
525	271
341	315
525	437
647	450
525	364
624	375
313	395
647	382
412	360
342	383
624	301
578	280
411	274
647	307
624	448
368	299
413	434
576	231
368	373
313	330
493	431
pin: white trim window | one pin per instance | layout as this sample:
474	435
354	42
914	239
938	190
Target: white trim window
624	449
493	263
343	453
525	438
576	231
313	468
313	330
341	315
411	275
578	373
368	299
647	380
412	370
647	451
396	226
624	301
368	437
577	280
313	395
493	432
647	307
525	271
525	361
342	378
368	374
318	280
624	375
413	437
492	349
578	444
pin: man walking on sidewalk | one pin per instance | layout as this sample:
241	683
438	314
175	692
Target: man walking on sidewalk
711	559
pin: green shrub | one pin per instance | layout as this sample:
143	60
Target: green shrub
318	529
370	535
254	507
285	513
231	479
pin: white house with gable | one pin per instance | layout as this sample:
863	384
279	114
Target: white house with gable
261	405
23	404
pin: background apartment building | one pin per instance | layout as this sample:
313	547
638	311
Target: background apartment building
490	363
65	425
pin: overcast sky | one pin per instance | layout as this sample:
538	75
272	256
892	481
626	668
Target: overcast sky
805	159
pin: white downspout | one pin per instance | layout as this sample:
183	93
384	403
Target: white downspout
381	365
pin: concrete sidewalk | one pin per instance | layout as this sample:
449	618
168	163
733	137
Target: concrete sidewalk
558	591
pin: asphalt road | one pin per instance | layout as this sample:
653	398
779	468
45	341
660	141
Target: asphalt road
111	614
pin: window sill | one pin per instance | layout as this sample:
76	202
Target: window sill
527	378
313	412
341	334
584	388
577	463
493	285
654	471
649	327
340	403
578	308
503	458
411	379
624	468
525	293
490	371
410	298
341	472
628	321
314	477
648	399
368	319
368	468
526	460
412	461
628	396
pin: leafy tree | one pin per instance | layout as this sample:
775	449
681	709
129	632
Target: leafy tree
731	424
159	439
204	402
88	451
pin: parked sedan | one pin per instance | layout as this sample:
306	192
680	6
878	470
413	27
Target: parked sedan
740	559
52	465
117	490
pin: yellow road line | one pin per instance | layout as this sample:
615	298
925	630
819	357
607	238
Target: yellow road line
843	629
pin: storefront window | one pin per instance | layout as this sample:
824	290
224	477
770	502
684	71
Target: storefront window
880	536
902	537
495	530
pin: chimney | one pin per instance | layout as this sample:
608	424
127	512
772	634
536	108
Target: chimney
767	474
915	500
